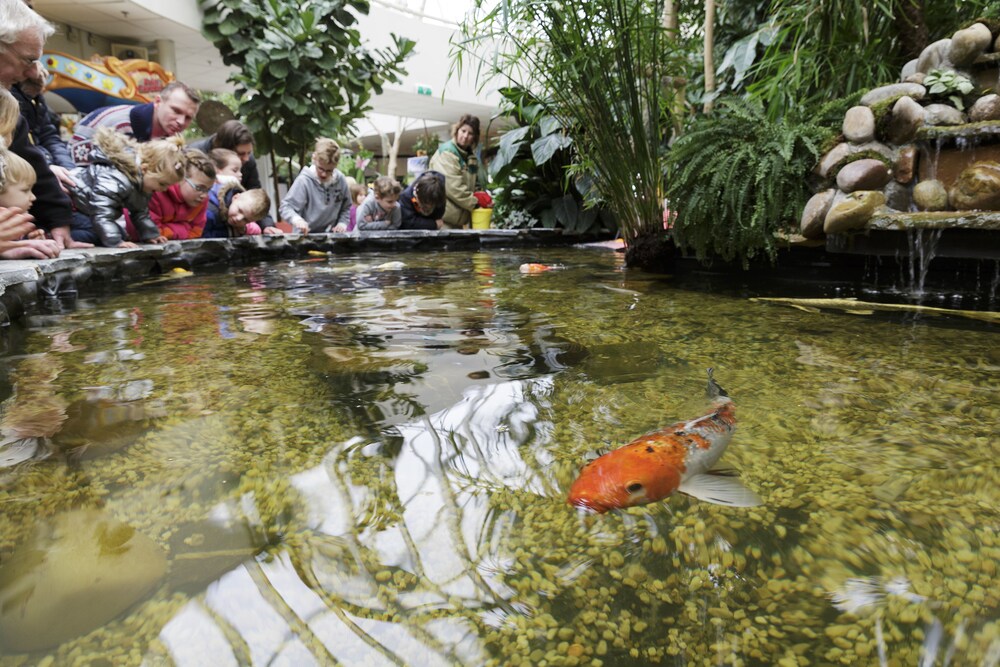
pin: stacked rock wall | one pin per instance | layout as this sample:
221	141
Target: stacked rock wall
892	141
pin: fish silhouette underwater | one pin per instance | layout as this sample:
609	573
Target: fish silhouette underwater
680	457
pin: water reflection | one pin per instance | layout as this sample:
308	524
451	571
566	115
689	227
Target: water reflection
347	463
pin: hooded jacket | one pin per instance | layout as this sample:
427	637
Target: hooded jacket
133	120
105	192
174	217
322	205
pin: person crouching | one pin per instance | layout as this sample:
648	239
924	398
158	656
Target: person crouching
118	181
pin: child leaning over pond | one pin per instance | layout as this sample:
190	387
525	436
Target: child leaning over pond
380	209
319	199
179	212
19	239
120	178
233	211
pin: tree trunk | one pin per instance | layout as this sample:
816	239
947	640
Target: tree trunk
709	57
670	17
911	29
274	181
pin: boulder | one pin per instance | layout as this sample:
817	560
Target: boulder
968	44
907	118
986	107
875	95
930	195
977	188
853	212
942	114
909	69
916	77
864	174
934	56
814	214
81	570
898	197
904	167
833	156
859	125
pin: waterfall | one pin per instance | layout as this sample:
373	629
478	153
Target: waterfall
923	246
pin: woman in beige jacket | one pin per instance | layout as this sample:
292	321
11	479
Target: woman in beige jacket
456	159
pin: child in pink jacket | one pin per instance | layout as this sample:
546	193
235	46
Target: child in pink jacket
179	212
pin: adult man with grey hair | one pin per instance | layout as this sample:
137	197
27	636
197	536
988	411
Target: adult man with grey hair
22	37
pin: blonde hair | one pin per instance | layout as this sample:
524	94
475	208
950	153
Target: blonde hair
327	150
160	158
14	170
10	113
259	204
385	186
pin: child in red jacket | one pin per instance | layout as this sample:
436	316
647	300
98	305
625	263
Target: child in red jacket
179	212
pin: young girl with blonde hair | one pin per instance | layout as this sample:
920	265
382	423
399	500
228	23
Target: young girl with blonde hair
119	180
19	239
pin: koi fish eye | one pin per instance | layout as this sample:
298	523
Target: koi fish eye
634	487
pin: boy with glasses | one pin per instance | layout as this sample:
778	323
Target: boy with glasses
179	211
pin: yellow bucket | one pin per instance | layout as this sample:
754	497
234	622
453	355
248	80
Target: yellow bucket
481	218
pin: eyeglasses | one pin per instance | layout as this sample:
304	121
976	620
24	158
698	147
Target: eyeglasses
197	188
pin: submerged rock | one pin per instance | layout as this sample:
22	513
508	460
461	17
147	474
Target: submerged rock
977	188
81	570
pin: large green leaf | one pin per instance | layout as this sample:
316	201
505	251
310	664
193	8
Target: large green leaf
543	149
510	144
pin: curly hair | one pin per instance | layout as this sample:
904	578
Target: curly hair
385	186
327	150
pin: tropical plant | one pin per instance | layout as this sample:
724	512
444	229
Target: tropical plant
738	179
801	53
949	84
426	144
302	69
354	162
599	67
530	180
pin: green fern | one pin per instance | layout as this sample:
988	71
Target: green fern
737	178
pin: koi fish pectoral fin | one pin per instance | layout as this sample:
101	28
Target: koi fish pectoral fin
720	487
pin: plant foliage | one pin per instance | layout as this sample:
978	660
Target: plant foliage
531	184
738	178
598	69
303	71
949	84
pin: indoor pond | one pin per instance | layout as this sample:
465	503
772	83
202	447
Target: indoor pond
365	459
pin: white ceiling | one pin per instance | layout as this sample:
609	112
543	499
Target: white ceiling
200	65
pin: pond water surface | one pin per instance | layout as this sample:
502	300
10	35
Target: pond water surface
344	461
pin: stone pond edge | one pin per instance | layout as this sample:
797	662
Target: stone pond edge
28	285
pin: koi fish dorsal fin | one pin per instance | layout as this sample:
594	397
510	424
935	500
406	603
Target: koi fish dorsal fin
721	488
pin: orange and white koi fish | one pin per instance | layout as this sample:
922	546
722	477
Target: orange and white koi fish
679	457
538	268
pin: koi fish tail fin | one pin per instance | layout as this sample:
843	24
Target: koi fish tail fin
713	390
